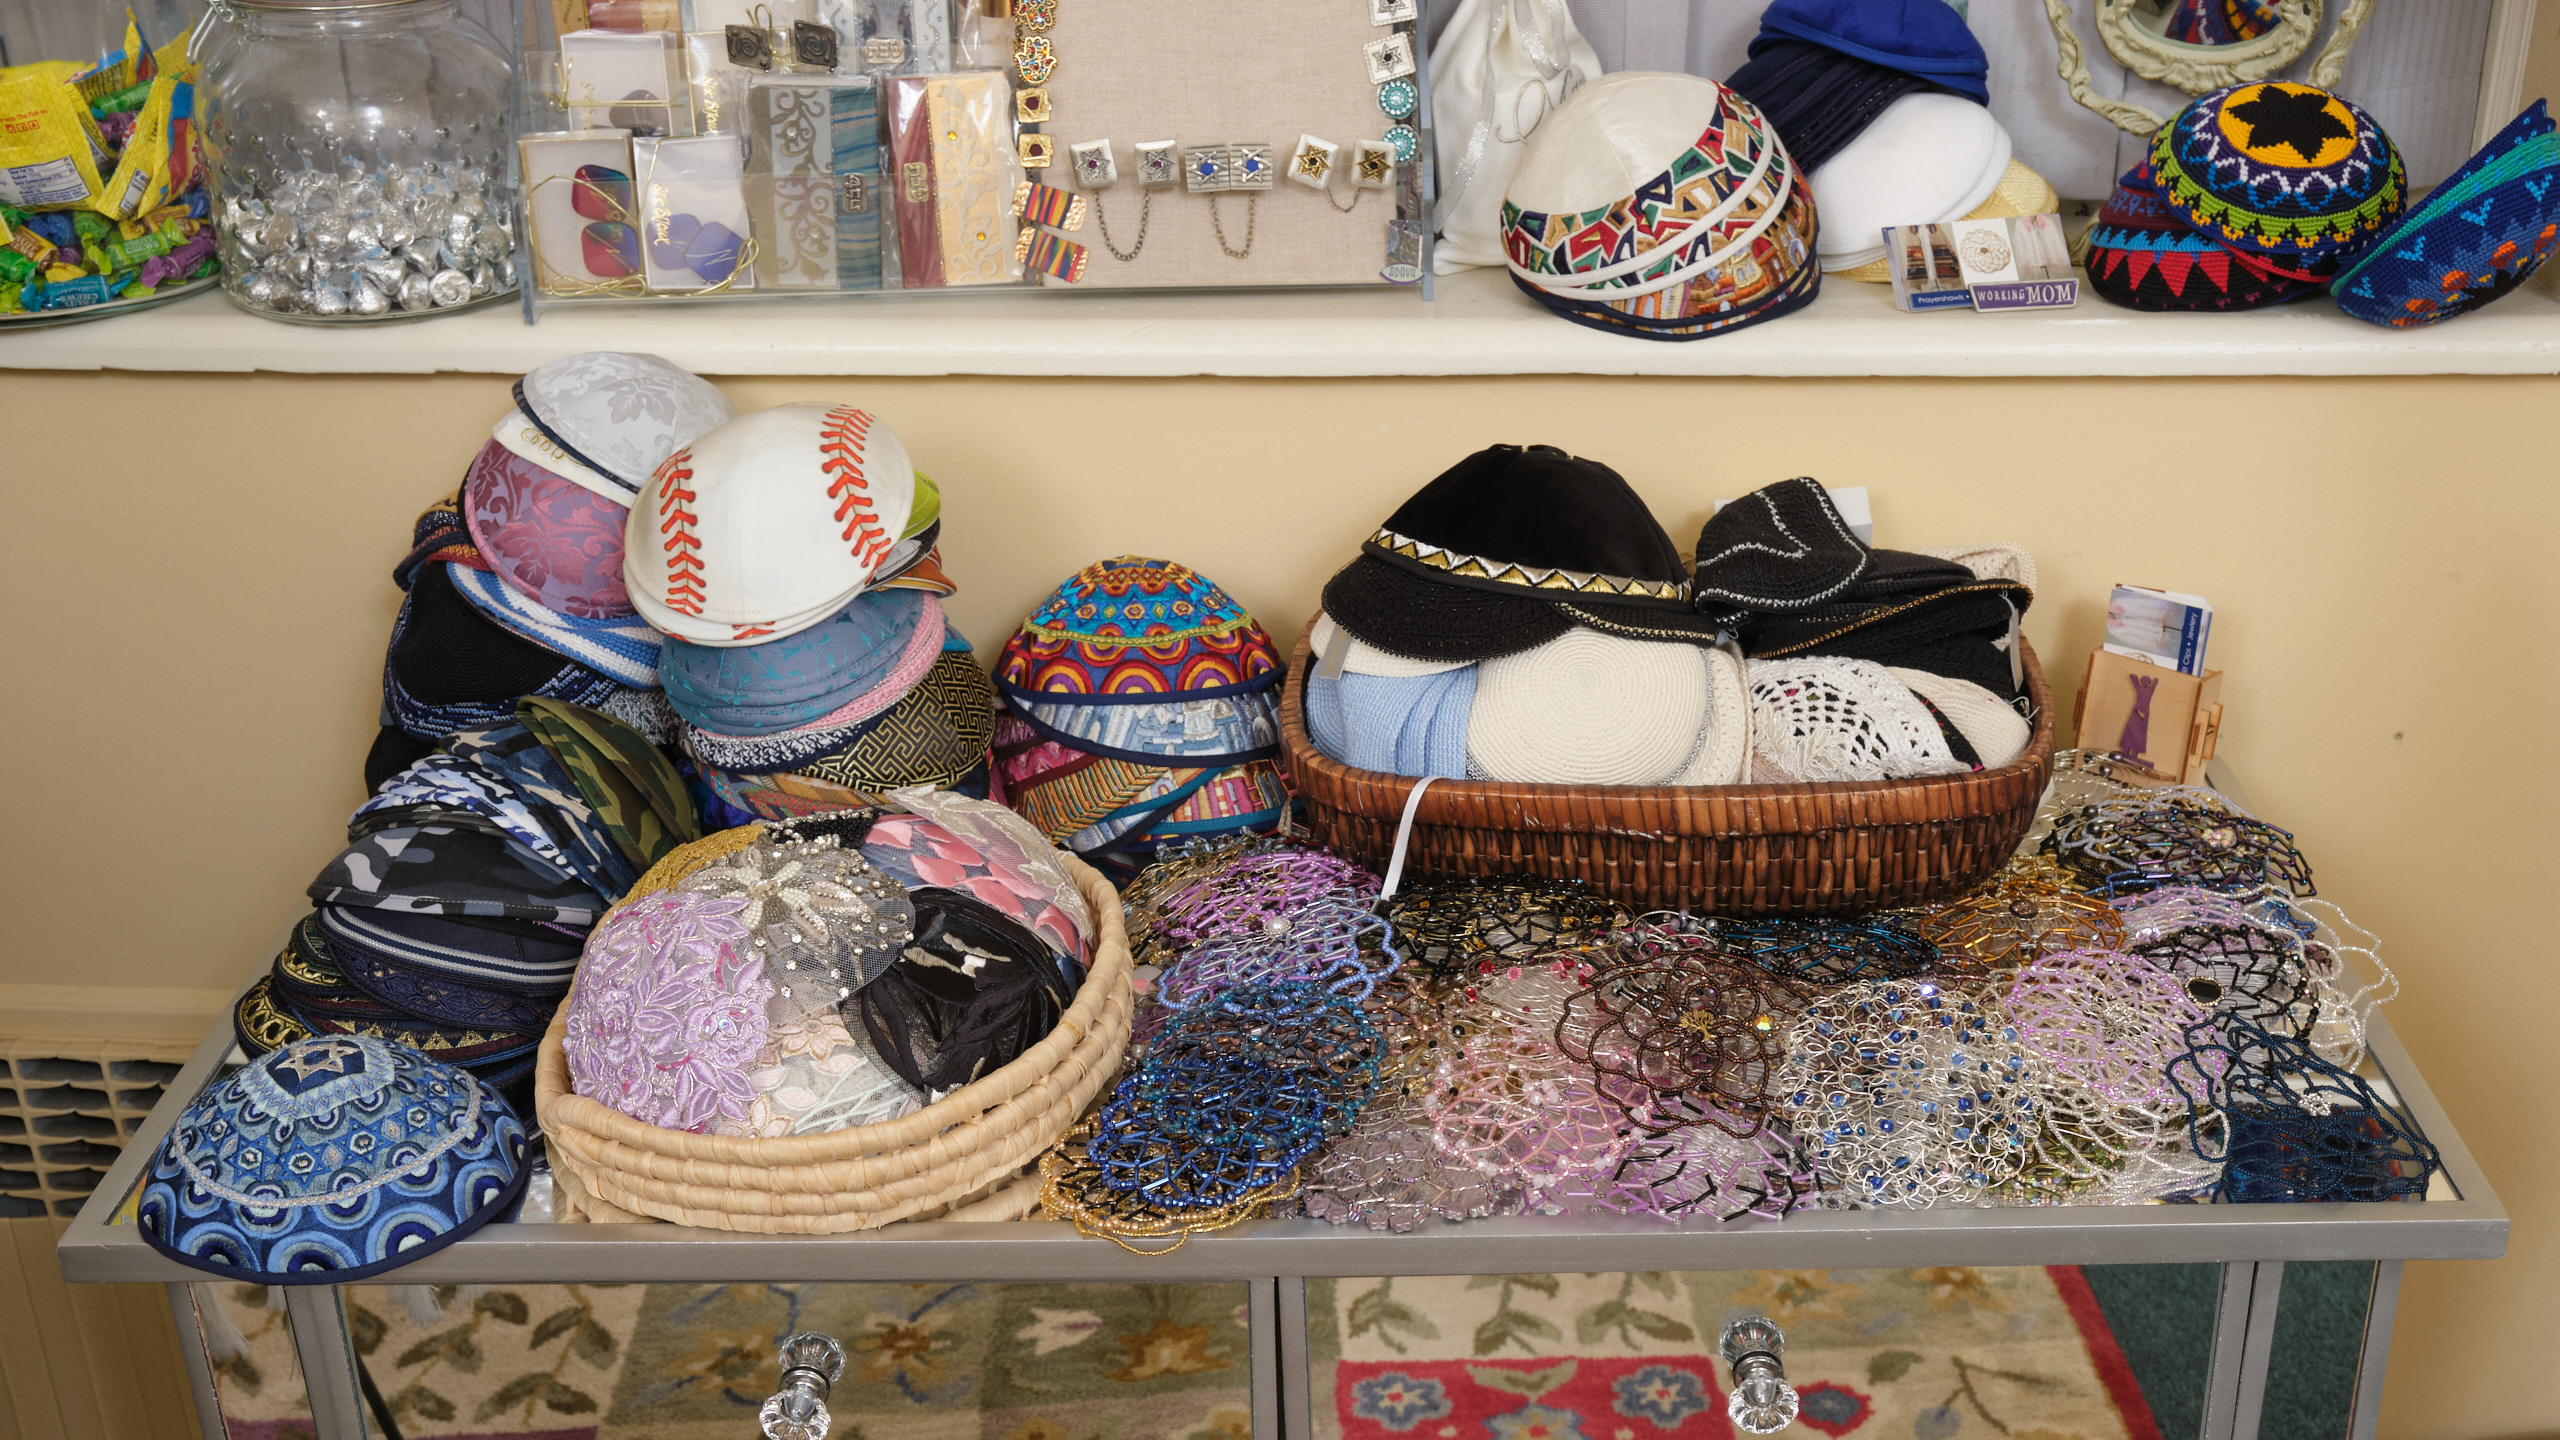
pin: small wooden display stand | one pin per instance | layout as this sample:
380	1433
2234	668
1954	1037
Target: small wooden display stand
2164	722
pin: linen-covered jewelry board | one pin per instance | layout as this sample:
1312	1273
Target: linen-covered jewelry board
1206	74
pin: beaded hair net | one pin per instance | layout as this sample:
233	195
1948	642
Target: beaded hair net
2297	1127
1480	922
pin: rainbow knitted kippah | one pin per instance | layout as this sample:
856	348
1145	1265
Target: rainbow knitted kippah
2283	170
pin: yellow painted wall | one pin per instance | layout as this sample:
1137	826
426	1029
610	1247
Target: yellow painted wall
199	596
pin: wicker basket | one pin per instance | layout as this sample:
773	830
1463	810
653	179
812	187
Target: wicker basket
961	1158
1723	850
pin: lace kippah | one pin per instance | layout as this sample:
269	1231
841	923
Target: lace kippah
1825	719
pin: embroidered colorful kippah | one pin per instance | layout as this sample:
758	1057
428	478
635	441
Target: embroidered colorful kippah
1139	627
2282	170
1736	153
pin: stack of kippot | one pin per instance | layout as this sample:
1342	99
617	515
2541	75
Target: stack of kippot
1524	619
451	923
1661	206
790	555
1141	705
515	583
2254	195
837	971
1883	103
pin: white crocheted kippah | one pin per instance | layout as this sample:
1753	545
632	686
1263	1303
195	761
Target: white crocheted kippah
1364	658
1724	747
1996	560
1589	709
1997	733
1824	719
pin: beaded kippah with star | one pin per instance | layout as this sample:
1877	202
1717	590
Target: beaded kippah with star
1693	1037
2296	1127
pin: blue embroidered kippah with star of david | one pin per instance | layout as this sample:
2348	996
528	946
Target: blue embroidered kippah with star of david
330	1160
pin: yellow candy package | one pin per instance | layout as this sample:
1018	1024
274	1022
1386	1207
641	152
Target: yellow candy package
159	157
120	70
48	154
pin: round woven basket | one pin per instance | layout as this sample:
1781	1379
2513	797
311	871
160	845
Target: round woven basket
1720	850
961	1158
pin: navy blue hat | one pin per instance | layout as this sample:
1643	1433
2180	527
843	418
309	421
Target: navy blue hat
1927	38
1817	99
330	1160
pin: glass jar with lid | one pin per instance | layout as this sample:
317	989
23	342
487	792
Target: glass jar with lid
359	156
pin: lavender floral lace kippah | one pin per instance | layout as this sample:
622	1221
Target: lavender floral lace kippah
669	1013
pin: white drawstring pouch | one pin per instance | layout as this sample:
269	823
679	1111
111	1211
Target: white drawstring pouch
1498	70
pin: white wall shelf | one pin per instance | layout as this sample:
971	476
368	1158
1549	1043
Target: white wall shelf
1479	325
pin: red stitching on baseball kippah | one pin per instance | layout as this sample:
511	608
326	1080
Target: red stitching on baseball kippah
842	444
684	588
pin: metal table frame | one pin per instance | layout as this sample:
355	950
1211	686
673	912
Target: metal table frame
1274	1258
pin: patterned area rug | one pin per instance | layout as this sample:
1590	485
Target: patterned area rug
1934	1354
692	1362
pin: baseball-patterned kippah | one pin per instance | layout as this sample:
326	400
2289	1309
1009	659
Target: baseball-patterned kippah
768	525
2284	171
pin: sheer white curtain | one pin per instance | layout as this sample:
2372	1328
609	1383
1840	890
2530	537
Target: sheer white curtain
2416	69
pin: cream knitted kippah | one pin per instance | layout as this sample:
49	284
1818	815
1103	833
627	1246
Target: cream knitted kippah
1589	709
1724	746
1994	560
1825	719
1364	658
2021	192
1997	733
